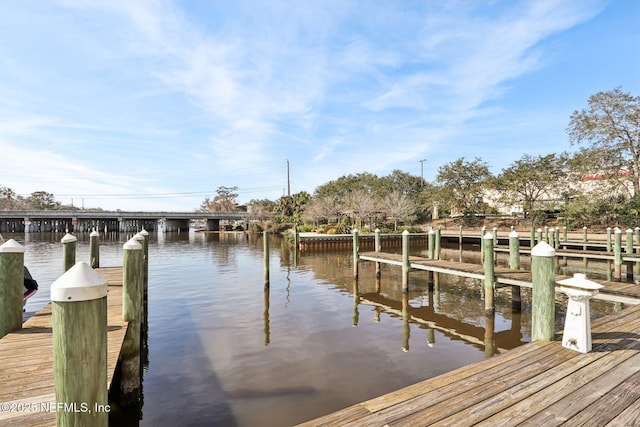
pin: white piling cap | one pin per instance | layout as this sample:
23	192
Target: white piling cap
11	246
432	231
377	230
79	283
580	281
617	230
132	245
629	230
514	233
139	237
144	232
405	233
487	236
543	249
68	238
94	233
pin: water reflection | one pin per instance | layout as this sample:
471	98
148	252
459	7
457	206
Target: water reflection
223	350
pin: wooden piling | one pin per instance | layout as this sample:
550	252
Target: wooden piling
489	277
431	244
68	251
79	319
617	253
377	249
405	261
356	257
543	292
438	243
514	250
11	286
132	294
94	249
265	245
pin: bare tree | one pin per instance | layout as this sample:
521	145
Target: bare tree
397	206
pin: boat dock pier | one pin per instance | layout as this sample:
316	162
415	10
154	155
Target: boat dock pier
540	383
27	394
67	363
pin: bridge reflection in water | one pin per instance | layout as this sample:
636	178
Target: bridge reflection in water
121	221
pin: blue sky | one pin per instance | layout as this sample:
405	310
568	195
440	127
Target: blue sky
152	105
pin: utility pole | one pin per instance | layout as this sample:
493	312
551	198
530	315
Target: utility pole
288	180
422	172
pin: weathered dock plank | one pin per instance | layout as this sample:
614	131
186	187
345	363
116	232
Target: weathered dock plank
26	370
540	383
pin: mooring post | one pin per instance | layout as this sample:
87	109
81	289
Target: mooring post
69	251
585	260
564	233
539	235
514	251
145	258
629	250
11	286
356	255
483	231
495	243
617	253
609	246
543	276
577	326
551	237
532	237
79	319
94	249
132	277
405	261
546	234
265	246
489	278
377	249
431	243
438	243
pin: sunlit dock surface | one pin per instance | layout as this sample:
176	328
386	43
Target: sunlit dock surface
540	383
27	390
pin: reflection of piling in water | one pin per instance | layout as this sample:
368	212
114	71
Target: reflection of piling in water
431	337
265	243
356	302
265	318
489	341
406	329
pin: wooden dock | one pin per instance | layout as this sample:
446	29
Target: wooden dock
27	390
627	293
540	383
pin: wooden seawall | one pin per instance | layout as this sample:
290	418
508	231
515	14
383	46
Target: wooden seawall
27	389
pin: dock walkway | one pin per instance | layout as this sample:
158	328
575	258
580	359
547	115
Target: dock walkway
540	383
627	293
27	390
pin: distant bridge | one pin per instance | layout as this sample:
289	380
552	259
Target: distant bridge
83	221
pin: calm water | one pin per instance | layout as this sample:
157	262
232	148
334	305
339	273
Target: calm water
222	351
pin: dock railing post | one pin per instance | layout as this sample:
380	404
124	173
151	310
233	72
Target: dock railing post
265	246
132	293
11	286
68	251
489	277
94	249
617	253
79	319
377	249
514	264
438	243
629	250
356	256
514	250
543	292
405	261
431	244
